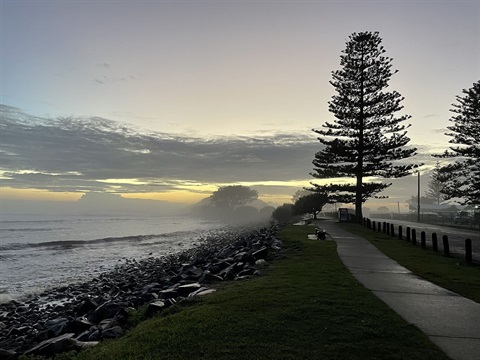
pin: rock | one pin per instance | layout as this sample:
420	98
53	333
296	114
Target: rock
85	306
112	333
167	294
59	326
202	292
260	254
185	290
107	324
155	306
7	354
80	345
107	310
260	263
52	346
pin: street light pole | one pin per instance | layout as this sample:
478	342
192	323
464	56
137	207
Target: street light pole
418	197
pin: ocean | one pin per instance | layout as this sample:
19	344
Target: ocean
38	252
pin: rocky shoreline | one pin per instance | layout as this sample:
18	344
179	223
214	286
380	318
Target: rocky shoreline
80	315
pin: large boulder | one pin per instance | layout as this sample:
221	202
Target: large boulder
53	346
107	310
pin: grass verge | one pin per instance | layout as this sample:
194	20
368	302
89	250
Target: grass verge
451	273
307	306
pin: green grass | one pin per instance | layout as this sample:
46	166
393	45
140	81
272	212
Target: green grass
307	306
451	273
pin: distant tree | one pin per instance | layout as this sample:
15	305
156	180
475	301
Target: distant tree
232	197
299	193
462	177
283	213
266	211
383	209
435	186
365	138
310	204
413	202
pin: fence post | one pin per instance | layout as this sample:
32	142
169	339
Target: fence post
423	240
408	233
400	234
434	242
369	223
384	227
392	229
446	246
388	228
379	226
414	237
468	251
374	227
364	221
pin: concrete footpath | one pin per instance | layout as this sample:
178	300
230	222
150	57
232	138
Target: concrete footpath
451	321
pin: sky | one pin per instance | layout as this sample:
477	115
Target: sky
169	100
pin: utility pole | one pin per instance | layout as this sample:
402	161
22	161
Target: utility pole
418	198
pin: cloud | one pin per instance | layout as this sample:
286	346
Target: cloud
82	154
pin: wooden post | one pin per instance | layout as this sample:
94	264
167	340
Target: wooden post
414	237
434	242
446	246
423	240
374	227
392	229
388	228
408	234
468	251
400	234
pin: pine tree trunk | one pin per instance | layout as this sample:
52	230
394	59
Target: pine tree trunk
358	201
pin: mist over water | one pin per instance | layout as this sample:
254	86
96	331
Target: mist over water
42	251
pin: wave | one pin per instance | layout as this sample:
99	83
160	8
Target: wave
31	229
80	243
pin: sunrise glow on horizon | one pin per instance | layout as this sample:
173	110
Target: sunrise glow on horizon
172	100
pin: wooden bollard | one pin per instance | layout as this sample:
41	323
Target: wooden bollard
379	226
446	246
400	234
374	227
423	240
408	234
414	237
434	242
384	227
468	251
388	228
392	229
369	224
364	222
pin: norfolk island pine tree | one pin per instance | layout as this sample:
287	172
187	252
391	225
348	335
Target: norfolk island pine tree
366	139
461	178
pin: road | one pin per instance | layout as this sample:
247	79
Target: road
456	236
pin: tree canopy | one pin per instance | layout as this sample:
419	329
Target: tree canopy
310	204
283	213
461	178
233	196
435	186
365	139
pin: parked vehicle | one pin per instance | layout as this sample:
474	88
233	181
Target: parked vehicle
462	218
